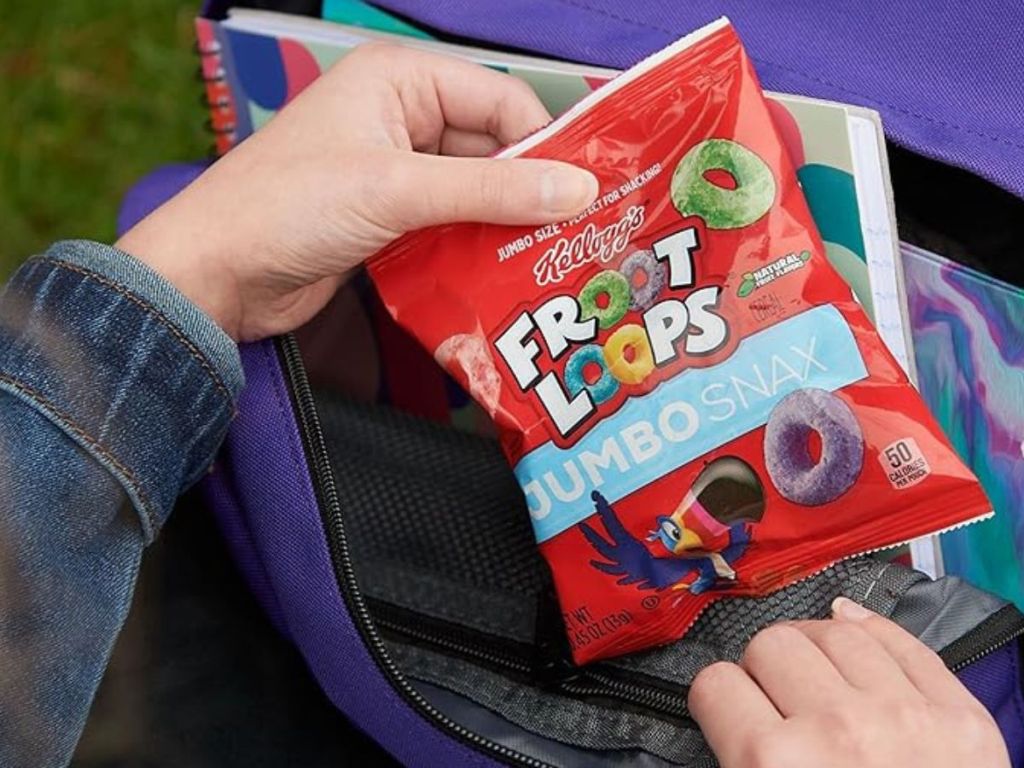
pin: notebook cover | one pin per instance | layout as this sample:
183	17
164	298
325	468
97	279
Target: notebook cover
969	344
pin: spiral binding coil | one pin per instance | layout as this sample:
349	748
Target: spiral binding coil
217	96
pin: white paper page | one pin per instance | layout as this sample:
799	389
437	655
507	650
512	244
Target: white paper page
885	268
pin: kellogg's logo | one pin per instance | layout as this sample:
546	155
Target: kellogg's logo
590	244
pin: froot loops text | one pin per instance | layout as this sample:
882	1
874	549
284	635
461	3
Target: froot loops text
570	324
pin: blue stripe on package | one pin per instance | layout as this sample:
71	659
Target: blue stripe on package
688	416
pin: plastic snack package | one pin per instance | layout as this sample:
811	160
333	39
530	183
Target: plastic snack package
691	399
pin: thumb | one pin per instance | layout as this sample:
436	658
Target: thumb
429	189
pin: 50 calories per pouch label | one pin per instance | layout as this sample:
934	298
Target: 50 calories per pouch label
692	401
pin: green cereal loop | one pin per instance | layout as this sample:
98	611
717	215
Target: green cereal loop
721	208
613	284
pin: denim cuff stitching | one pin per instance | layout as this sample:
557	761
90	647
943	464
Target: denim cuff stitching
157	315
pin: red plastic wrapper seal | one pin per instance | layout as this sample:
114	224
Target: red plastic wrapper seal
690	397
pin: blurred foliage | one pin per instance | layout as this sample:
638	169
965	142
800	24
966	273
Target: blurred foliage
93	94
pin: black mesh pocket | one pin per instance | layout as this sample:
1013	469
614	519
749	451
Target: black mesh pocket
432	499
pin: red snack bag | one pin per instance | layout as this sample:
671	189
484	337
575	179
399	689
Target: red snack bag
690	397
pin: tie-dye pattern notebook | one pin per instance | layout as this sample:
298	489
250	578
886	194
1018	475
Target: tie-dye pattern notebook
968	332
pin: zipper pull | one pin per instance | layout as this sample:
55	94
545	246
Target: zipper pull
553	665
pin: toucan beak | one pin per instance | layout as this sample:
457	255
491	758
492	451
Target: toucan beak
688	540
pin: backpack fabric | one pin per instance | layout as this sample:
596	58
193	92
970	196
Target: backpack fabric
378	541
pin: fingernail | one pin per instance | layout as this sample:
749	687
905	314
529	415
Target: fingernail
565	189
844	608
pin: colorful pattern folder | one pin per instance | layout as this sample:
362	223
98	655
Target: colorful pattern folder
969	341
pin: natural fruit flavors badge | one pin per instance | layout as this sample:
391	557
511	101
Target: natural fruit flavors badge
674	441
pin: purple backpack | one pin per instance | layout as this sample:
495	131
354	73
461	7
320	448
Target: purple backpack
394	550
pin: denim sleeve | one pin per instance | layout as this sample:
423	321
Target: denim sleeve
115	393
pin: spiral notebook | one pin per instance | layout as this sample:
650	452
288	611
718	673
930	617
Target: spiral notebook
259	60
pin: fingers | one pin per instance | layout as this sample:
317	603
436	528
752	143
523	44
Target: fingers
459	143
476	98
857	655
920	664
424	190
731	710
435	91
792	671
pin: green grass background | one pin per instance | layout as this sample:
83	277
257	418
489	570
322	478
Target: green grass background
93	94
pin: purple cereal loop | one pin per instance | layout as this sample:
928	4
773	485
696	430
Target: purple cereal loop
797	476
643	298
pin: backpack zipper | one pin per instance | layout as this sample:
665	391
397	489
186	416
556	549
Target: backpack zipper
494	652
607	684
1002	627
545	665
330	510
